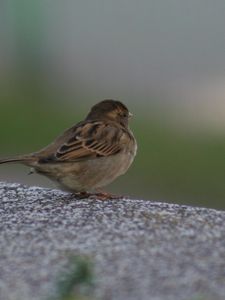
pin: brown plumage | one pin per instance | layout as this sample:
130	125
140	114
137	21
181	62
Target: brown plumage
90	154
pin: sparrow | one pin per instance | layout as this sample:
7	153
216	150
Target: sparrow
89	155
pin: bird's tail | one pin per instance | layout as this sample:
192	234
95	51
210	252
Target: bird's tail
23	159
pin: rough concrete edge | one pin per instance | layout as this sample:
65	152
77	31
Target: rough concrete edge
55	191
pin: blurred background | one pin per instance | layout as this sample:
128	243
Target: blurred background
164	59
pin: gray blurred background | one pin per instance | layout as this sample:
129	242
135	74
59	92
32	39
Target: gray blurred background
164	59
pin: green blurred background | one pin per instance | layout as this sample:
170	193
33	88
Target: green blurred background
164	60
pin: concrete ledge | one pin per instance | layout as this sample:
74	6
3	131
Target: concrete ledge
141	249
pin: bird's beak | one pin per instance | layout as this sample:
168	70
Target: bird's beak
130	115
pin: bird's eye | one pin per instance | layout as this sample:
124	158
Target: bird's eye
124	114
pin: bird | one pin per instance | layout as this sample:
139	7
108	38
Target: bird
91	154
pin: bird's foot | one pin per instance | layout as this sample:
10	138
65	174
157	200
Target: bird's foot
106	196
82	195
98	196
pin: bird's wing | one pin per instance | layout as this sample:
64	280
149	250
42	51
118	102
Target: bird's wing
90	140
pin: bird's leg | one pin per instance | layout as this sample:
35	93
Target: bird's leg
32	171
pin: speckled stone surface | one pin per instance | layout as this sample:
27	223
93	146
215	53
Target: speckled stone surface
141	249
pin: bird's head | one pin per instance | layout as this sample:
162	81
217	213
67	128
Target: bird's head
110	110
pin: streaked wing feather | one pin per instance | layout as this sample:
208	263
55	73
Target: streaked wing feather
90	140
